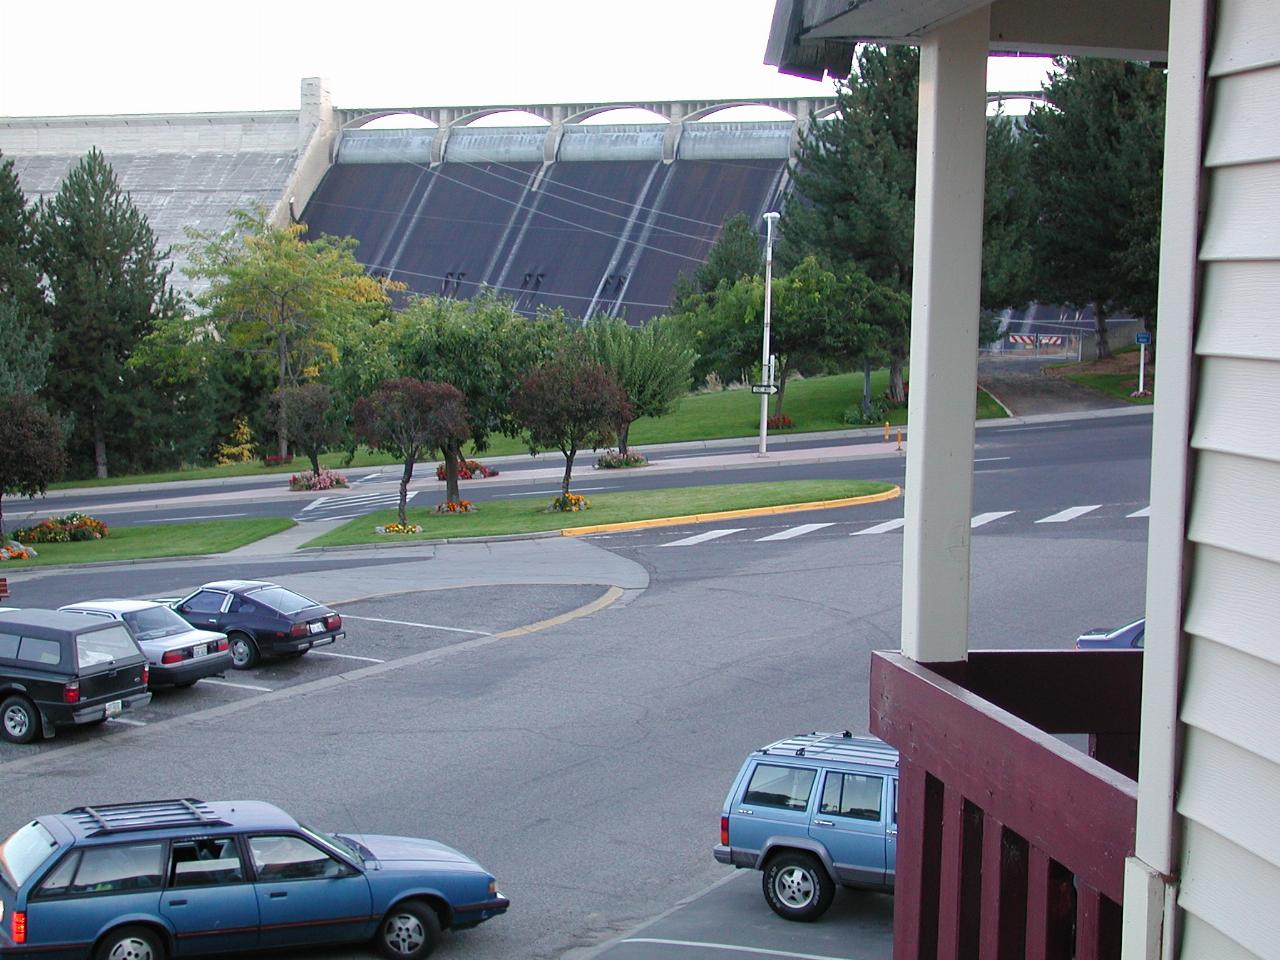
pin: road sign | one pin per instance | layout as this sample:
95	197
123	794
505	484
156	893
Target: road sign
1142	337
764	388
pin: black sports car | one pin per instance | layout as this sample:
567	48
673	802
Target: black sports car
260	619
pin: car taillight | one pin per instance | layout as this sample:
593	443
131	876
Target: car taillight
298	630
333	621
71	692
220	645
173	656
724	831
146	673
19	934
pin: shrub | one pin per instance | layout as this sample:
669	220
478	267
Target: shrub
324	480
879	413
569	503
468	470
781	422
456	506
239	447
74	527
612	459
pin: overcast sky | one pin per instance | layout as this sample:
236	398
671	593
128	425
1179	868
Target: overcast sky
60	57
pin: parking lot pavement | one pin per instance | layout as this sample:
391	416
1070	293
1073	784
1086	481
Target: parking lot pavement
378	630
731	921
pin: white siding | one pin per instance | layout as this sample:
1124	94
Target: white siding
1229	789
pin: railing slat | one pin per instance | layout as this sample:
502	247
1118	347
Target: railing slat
1004	893
1049	908
1097	926
959	899
915	891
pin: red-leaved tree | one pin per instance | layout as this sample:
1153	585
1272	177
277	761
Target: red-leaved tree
407	418
568	403
31	454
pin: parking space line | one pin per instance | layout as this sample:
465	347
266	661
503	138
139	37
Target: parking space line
425	626
127	723
345	656
239	686
759	951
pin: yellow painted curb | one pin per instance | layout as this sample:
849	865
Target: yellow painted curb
733	514
602	601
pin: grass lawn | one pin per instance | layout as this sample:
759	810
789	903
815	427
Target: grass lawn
1118	385
156	540
521	516
816	403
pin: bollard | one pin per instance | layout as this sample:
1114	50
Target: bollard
886	431
899	438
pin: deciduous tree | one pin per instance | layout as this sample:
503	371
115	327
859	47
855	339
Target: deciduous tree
313	423
31	454
568	403
406	418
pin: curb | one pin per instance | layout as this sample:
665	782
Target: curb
733	514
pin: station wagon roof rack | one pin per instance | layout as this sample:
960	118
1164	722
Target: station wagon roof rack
836	746
122	817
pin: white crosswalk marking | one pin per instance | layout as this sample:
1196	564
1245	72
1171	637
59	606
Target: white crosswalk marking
799	531
1062	516
885	527
1144	512
350	506
702	537
984	518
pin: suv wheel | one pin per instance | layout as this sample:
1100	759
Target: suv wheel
796	886
244	652
19	720
409	931
130	943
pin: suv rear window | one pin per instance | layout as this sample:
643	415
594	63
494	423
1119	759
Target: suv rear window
24	851
104	646
785	787
278	598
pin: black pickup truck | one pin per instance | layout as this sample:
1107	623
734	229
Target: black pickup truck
60	669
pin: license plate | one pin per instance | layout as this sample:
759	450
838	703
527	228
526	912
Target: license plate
114	708
199	651
317	627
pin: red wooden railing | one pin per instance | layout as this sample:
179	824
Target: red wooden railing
1011	843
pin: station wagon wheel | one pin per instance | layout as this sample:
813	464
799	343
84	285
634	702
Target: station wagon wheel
19	720
409	931
244	652
797	887
130	943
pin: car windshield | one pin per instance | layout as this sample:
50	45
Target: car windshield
155	623
333	840
104	646
23	852
278	598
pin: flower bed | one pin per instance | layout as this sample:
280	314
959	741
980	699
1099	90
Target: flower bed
468	470
569	503
456	506
781	422
324	480
613	460
73	527
399	528
13	550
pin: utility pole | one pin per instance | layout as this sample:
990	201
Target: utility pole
766	368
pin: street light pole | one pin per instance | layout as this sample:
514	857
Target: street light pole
766	370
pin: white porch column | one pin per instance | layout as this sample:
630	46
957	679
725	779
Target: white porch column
951	156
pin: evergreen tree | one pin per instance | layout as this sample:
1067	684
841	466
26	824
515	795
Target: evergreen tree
24	350
19	272
107	285
737	253
1096	149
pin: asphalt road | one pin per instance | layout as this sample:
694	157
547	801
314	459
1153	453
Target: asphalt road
585	763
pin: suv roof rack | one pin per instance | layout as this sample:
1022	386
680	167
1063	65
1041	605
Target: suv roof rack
122	817
836	746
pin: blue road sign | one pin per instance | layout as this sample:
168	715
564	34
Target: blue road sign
1142	337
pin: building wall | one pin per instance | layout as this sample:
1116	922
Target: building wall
1228	795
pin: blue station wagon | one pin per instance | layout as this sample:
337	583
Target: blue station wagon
812	812
178	878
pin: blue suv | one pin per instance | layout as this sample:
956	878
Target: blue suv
147	881
814	811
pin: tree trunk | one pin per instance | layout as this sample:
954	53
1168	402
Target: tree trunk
623	431
897	393
1100	332
3	539
404	487
866	388
782	388
568	470
282	414
452	453
99	450
314	454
